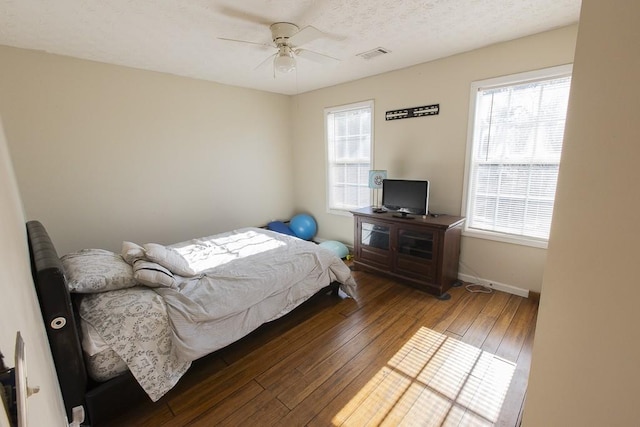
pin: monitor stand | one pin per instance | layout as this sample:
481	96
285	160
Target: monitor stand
403	215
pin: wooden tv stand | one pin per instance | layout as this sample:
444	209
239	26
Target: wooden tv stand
423	251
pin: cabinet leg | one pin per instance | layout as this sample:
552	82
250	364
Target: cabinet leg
444	297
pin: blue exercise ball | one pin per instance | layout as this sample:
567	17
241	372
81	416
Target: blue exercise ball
303	226
339	249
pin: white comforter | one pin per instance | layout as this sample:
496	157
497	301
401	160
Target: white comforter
239	270
244	278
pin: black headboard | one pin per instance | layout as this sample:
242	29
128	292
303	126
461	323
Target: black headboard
62	324
58	315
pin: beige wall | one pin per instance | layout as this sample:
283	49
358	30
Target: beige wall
105	153
19	306
430	148
586	351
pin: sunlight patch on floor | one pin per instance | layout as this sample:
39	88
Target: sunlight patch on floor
433	380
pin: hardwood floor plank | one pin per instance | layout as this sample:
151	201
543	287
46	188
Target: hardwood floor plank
375	407
452	335
268	415
493	340
434	416
148	414
449	315
422	303
465	318
263	410
514	400
484	321
218	412
401	408
518	330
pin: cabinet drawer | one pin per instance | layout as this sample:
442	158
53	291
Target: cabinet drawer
420	269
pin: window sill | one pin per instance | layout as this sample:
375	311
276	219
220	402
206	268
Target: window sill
340	212
506	238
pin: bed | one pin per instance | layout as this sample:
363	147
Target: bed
125	327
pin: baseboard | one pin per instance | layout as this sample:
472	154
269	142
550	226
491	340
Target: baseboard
495	285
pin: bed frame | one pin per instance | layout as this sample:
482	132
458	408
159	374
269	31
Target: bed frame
86	401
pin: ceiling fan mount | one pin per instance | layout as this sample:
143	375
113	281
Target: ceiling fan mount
281	32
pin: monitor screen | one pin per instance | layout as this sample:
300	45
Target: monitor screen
406	196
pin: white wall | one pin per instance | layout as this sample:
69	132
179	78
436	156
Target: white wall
19	305
586	355
429	147
104	153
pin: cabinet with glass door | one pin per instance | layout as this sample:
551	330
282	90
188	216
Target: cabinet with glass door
422	251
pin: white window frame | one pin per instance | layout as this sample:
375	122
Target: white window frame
509	80
345	210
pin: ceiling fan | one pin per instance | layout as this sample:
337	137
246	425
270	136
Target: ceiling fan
287	39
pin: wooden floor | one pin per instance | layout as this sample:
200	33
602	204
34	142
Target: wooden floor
394	356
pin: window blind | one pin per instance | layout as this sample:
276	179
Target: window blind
517	144
349	135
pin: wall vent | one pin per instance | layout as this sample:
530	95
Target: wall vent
373	53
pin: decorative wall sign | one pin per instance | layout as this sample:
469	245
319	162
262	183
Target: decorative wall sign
407	113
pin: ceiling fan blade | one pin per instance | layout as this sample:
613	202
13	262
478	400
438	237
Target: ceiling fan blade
305	35
246	42
316	57
243	15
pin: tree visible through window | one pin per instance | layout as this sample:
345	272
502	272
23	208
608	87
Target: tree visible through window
349	134
514	157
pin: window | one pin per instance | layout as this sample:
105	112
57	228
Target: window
516	128
349	134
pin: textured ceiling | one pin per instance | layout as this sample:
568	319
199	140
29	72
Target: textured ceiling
181	37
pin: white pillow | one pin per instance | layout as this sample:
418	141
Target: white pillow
96	270
131	252
168	258
153	275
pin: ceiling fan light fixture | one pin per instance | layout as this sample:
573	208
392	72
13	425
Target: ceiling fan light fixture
284	61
